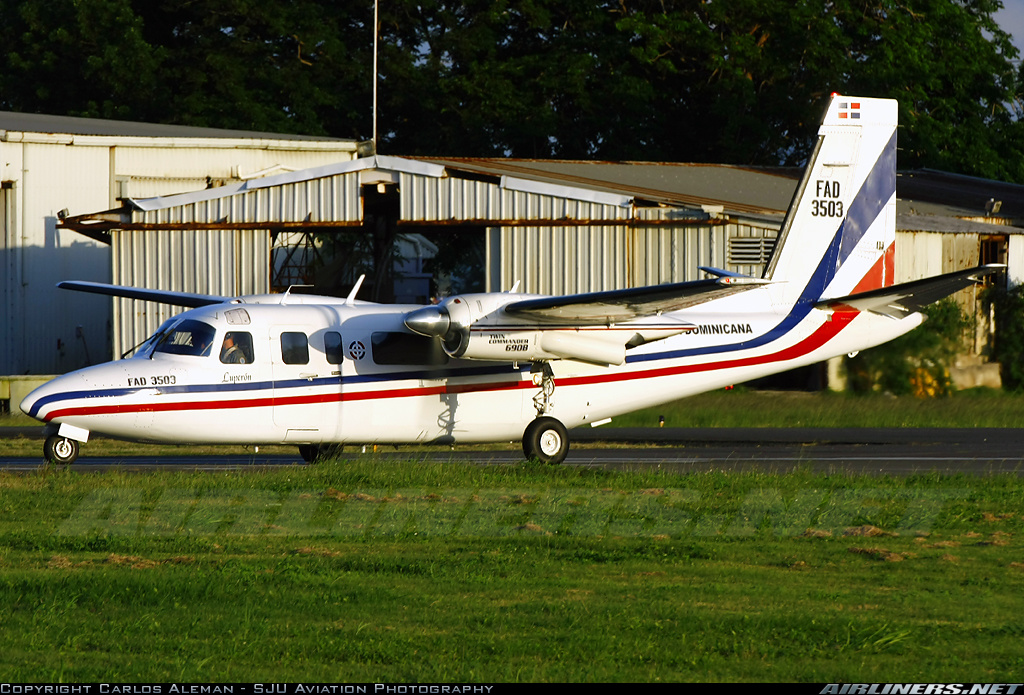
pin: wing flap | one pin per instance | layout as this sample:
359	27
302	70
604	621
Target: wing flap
159	296
617	306
899	301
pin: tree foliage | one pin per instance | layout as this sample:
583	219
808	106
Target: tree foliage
742	81
917	363
1008	346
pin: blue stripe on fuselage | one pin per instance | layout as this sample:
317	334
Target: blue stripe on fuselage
249	386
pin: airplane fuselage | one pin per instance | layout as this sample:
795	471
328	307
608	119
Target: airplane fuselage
317	370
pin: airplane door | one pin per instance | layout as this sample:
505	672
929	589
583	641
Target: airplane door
298	379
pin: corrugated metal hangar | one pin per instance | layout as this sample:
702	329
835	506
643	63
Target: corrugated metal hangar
52	163
552	237
554	226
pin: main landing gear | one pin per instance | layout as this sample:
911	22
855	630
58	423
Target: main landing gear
60	450
545	439
312	453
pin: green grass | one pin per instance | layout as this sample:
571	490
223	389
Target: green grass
373	571
742	408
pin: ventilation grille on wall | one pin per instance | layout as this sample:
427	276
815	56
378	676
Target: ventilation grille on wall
750	250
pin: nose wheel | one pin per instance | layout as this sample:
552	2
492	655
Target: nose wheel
546	440
60	450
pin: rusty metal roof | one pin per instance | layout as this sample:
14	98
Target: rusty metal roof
750	190
439	190
69	125
908	221
927	191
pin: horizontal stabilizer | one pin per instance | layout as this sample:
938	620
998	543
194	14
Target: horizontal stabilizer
159	296
899	301
720	272
615	306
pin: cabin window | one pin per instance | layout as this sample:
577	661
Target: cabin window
407	348
187	337
294	348
332	347
236	348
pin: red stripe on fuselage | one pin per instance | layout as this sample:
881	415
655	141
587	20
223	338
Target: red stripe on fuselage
824	333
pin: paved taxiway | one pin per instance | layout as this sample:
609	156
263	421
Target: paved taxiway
874	451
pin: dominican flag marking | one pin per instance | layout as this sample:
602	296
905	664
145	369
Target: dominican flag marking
849	109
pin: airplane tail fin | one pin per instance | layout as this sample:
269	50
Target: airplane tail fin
839	234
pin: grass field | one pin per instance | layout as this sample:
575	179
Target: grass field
742	408
448	572
373	571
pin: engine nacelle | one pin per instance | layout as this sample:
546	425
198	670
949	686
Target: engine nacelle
475	326
531	345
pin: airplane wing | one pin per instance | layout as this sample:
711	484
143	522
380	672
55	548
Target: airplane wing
160	296
898	301
616	306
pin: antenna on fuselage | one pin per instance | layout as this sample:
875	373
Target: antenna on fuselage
288	292
351	298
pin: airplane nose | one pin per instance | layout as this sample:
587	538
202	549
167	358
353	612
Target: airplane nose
28	401
35	403
432	321
30	404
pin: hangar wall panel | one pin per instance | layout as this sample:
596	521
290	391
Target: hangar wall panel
327	199
426	199
154	171
220	262
565	260
924	254
1015	259
40	332
918	255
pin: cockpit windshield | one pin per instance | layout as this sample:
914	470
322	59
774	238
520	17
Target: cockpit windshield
186	337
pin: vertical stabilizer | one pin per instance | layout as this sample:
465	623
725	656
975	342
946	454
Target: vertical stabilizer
840	231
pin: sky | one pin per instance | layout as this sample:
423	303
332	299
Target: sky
1011	19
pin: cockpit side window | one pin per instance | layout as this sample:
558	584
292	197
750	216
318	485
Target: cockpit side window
294	348
187	337
236	348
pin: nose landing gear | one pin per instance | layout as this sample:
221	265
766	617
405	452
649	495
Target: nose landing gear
60	450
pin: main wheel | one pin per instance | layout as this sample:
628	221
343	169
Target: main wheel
309	452
313	452
546	440
60	450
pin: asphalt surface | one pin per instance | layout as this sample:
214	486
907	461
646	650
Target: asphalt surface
829	450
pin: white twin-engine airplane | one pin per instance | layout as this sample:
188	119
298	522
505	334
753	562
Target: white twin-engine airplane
320	371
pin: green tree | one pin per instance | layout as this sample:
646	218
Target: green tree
743	81
1008	345
77	57
917	362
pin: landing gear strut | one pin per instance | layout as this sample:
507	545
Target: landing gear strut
60	450
545	379
545	439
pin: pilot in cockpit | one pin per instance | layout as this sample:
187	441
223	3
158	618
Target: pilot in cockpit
231	353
